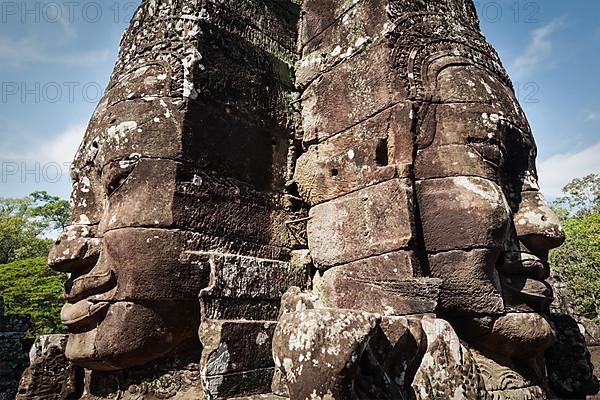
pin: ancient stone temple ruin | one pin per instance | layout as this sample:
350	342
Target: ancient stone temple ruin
12	351
318	199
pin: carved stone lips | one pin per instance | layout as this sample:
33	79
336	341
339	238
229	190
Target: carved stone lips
537	290
81	310
81	313
527	265
95	282
523	283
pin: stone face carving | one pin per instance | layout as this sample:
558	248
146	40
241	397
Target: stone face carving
370	156
420	171
187	152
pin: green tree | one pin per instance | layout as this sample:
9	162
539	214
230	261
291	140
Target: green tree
51	211
578	259
581	195
29	287
24	221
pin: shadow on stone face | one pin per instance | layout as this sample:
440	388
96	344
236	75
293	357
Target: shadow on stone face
570	370
52	377
13	351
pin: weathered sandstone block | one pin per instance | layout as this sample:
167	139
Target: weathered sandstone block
370	222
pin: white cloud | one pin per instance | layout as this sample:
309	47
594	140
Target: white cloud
560	169
539	48
28	50
592	116
60	148
39	163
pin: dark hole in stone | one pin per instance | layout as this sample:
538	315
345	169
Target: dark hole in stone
292	188
381	153
334	172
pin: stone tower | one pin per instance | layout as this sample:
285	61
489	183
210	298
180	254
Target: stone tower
319	199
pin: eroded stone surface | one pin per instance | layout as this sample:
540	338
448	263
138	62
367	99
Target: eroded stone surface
571	371
447	370
246	287
13	351
236	357
361	224
318	351
378	285
50	376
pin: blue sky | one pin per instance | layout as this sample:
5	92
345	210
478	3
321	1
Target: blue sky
56	57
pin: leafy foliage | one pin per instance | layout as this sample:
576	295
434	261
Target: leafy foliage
581	196
29	287
578	260
23	222
51	211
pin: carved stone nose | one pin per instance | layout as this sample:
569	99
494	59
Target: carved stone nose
74	250
538	227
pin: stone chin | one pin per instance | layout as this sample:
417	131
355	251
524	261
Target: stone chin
517	336
129	335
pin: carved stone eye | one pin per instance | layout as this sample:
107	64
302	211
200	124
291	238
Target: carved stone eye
116	173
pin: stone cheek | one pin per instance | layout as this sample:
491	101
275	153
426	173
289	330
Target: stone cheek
128	331
462	123
463	213
219	206
379	285
373	221
161	251
142	196
470	282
